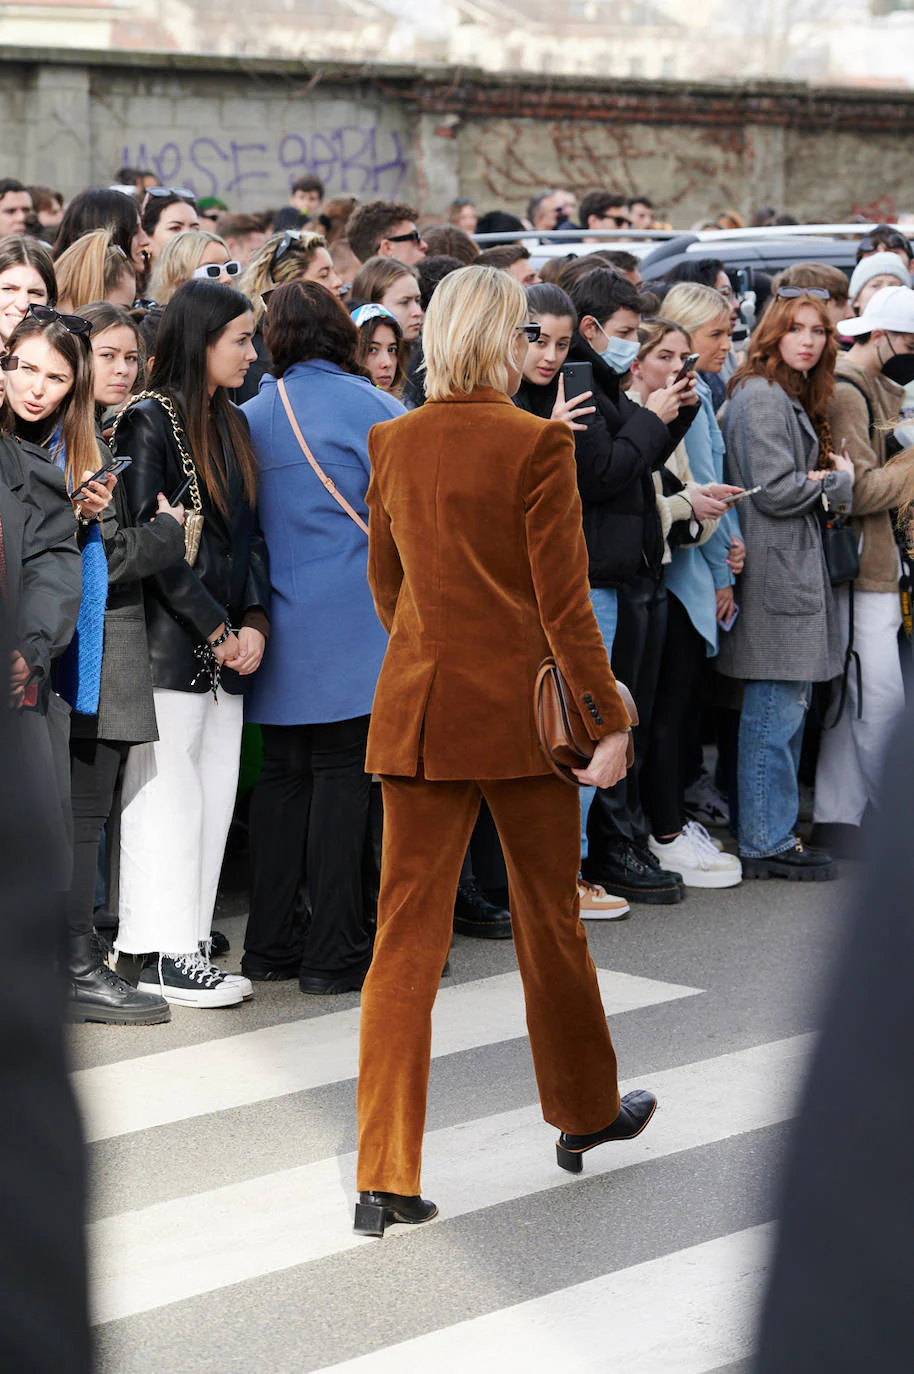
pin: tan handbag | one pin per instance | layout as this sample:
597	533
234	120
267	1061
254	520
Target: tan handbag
326	482
563	736
193	518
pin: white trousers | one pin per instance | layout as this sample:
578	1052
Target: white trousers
178	798
852	754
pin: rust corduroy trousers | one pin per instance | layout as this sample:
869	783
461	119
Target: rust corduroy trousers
427	827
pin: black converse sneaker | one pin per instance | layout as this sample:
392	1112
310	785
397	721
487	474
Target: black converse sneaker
190	980
243	984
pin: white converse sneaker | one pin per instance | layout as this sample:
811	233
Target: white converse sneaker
190	980
695	855
599	905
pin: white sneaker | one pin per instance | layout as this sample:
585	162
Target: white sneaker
695	855
599	905
190	980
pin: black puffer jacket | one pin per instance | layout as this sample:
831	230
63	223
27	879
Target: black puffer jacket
230	579
616	454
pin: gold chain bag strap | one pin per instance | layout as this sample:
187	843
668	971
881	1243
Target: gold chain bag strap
193	519
326	482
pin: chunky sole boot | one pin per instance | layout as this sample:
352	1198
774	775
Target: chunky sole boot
802	864
375	1211
97	994
476	916
636	1111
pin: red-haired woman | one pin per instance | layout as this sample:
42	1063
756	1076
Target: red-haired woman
787	635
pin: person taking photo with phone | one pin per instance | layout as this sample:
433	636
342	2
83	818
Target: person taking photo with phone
788	634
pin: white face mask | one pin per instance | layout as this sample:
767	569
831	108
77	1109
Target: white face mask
619	354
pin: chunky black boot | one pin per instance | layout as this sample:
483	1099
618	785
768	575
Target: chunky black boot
476	916
98	994
635	1112
374	1211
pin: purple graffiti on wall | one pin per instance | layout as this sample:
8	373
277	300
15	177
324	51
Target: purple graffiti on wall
354	160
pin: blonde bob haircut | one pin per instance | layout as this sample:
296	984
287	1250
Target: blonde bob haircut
179	260
469	332
691	305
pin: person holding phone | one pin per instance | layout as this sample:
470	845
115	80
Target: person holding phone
690	514
788	634
207	622
124	714
627	444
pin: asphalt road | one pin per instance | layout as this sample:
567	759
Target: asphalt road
222	1144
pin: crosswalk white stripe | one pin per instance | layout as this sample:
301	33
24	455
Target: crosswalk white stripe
687	1313
174	1250
176	1085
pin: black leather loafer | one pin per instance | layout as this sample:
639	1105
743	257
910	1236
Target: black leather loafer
801	864
636	1111
329	987
374	1211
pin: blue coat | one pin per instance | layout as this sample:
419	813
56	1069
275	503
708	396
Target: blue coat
696	573
326	643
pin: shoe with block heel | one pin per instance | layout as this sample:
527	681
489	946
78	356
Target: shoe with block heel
375	1211
636	1111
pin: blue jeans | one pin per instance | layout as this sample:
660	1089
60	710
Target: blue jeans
770	739
605	602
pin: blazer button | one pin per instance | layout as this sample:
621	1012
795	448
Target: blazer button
588	698
598	719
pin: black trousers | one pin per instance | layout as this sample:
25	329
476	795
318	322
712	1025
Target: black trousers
312	806
94	768
674	722
616	814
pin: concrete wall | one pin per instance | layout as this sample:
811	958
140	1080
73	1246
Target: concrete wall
243	129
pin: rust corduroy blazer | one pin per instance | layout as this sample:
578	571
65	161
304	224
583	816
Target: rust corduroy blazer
478	569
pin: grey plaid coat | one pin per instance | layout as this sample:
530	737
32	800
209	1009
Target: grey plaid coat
787	629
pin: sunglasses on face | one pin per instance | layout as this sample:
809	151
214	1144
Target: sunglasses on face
532	332
214	270
74	323
620	221
412	237
791	293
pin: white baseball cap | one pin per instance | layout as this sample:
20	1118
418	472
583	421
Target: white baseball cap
891	308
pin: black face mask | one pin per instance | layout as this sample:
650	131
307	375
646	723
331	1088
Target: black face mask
899	368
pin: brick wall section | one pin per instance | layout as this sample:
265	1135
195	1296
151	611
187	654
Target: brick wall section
243	129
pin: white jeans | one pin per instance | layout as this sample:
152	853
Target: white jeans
851	755
177	808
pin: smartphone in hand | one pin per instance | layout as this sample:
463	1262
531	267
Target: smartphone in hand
115	466
578	379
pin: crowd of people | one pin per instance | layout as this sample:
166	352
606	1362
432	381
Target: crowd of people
185	483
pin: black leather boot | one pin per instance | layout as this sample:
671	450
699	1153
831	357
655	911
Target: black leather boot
374	1211
475	915
98	994
635	1112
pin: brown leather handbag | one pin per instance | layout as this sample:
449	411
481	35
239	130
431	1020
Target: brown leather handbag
562	734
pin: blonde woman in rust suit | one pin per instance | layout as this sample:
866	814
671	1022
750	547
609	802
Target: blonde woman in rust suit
478	568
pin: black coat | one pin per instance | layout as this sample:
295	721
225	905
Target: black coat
621	447
185	605
44	569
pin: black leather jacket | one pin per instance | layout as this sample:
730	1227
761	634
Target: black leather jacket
230	579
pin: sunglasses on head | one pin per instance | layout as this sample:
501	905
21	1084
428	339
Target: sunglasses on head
214	270
412	237
869	244
157	191
791	293
74	323
532	332
288	241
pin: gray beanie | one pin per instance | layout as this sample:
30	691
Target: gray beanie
878	265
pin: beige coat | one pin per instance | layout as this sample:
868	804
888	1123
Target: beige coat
878	487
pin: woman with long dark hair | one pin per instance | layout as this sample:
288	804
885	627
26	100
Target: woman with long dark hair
207	625
165	214
787	636
105	210
313	695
